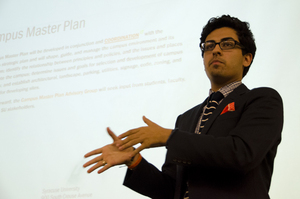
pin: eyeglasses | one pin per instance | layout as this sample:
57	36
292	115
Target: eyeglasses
224	45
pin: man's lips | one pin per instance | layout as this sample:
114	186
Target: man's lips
215	61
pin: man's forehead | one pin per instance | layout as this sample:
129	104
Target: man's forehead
222	33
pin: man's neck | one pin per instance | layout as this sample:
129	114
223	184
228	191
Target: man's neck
215	86
228	88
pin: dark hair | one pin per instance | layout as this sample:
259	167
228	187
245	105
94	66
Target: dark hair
242	29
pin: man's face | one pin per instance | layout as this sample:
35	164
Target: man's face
224	66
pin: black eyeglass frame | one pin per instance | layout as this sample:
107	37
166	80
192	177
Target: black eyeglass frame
236	43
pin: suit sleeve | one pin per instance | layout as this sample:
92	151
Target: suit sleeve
147	180
238	141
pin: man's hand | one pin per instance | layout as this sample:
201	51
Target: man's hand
110	155
149	136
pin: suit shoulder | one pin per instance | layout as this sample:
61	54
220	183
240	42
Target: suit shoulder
264	92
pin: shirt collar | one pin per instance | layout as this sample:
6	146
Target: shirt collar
226	90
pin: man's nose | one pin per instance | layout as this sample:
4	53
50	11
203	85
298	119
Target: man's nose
217	50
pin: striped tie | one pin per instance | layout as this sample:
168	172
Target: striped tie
213	102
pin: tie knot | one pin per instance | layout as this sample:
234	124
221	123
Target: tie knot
217	96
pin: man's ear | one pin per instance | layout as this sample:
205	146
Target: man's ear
247	59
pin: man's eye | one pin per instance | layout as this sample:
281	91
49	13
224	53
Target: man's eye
209	46
228	44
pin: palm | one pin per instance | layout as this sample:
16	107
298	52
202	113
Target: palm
112	155
109	156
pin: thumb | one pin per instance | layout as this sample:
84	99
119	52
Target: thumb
112	135
147	121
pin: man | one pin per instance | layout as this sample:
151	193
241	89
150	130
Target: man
222	148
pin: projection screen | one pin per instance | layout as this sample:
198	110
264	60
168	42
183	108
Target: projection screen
69	69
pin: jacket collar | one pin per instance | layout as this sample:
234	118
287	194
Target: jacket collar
236	93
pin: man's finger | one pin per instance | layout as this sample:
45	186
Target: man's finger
136	151
112	135
130	132
99	164
120	143
94	152
147	121
128	144
97	159
107	166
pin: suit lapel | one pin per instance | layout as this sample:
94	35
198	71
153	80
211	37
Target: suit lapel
196	116
233	96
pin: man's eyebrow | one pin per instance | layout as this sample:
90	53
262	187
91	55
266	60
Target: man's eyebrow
223	39
226	38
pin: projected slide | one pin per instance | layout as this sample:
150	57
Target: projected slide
29	72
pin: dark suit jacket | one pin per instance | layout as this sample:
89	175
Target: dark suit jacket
232	158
